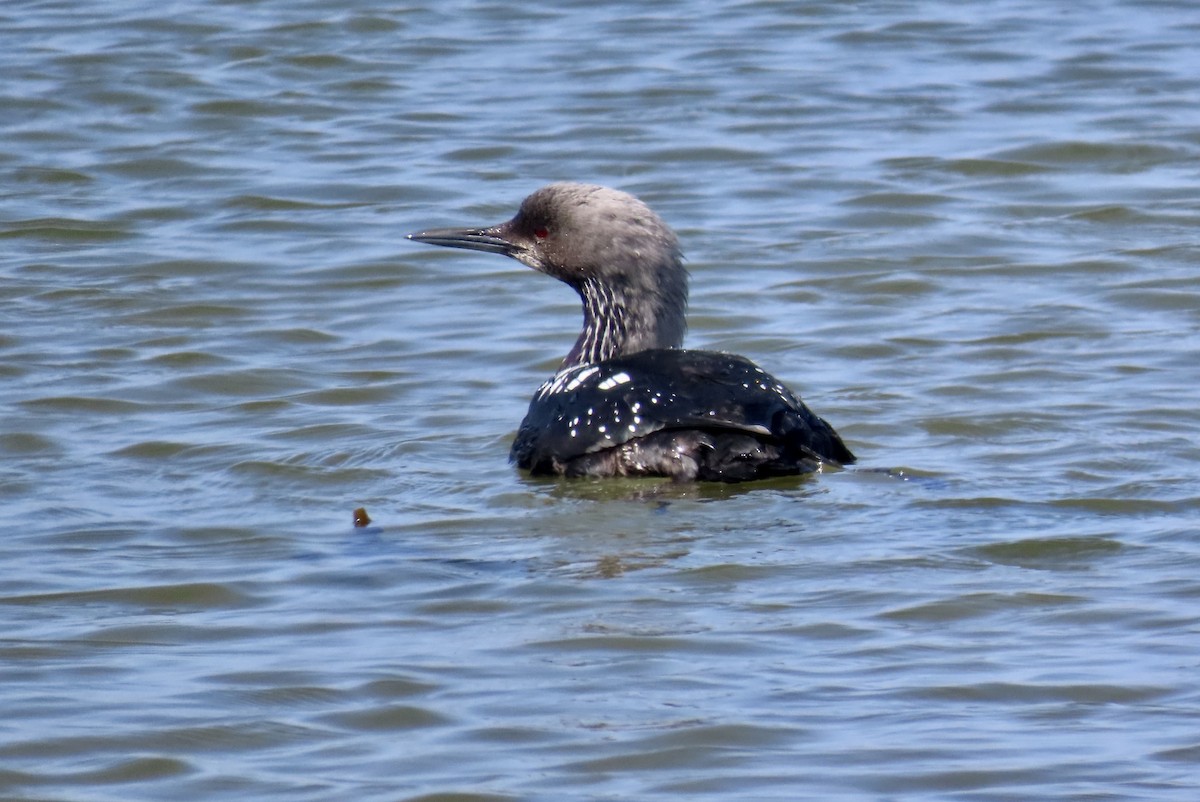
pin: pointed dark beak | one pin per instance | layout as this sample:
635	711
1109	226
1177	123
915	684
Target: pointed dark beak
488	240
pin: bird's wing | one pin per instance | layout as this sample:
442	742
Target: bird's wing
594	407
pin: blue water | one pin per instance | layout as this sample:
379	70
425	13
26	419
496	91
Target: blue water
966	234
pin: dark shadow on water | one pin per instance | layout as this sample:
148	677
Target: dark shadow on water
661	491
664	491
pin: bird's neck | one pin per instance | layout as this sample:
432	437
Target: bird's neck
615	324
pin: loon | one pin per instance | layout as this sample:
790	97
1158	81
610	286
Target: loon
628	400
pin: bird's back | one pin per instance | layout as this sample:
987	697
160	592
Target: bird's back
669	412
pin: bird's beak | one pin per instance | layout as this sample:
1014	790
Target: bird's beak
488	240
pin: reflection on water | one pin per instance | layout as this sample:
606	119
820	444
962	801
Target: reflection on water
967	238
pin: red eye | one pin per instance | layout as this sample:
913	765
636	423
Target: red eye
541	233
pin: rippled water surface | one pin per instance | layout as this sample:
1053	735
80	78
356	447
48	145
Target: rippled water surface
968	234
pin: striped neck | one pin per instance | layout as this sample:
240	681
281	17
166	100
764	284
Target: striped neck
605	333
613	325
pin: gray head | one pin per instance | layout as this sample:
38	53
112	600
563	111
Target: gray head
620	257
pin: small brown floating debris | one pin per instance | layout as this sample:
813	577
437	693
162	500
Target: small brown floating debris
361	518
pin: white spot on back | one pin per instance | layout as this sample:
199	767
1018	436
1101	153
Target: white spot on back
614	380
581	377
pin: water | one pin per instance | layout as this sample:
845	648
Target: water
966	234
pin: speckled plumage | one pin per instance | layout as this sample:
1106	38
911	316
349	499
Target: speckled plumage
641	414
627	401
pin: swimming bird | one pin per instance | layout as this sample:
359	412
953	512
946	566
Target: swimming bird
628	400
